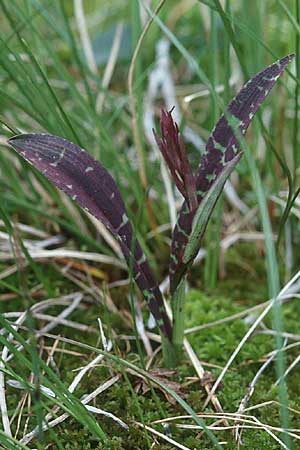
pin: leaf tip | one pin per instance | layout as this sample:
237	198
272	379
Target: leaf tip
283	62
291	56
18	139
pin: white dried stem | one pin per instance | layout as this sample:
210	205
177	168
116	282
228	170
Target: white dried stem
110	66
66	253
47	425
106	235
162	436
84	36
105	344
28	229
141	328
250	390
4	357
157	77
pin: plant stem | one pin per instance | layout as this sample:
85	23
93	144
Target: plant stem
170	357
178	301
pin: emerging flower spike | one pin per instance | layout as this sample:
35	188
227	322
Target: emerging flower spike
174	153
221	148
85	180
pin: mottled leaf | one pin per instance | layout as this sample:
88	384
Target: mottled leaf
221	148
85	180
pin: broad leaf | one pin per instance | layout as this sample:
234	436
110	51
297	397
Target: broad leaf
85	180
221	148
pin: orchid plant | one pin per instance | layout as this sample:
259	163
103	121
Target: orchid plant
86	181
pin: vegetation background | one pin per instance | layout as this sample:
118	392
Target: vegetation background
97	73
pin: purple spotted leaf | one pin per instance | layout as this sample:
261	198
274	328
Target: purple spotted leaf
222	147
85	180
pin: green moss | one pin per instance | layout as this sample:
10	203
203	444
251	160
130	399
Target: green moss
213	345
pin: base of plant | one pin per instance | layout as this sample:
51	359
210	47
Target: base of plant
178	301
171	356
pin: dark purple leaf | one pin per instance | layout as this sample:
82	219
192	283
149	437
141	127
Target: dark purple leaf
221	148
85	180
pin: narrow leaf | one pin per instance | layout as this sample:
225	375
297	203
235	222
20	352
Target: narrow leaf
205	209
221	148
85	180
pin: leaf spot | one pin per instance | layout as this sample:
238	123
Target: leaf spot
60	157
